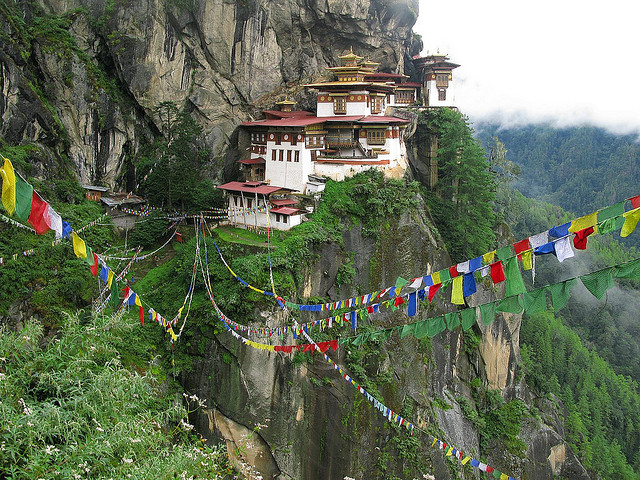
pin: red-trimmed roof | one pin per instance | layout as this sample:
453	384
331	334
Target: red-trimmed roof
281	114
252	161
286	210
342	118
381	119
284	201
251	187
408	84
285	122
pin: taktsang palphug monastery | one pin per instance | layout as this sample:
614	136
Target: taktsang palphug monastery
293	151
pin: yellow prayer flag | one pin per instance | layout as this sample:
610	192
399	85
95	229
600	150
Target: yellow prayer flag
527	259
456	291
584	222
466	460
504	476
79	247
436	278
449	452
630	221
487	258
138	301
180	310
434	442
110	278
8	187
173	335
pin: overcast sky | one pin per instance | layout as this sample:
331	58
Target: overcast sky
564	61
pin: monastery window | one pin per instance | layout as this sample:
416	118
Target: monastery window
314	141
278	217
339	105
294	139
277	135
288	155
376	137
296	157
281	157
442	94
377	104
442	80
274	154
404	96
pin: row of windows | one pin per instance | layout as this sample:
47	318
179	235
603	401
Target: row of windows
279	155
259	137
340	104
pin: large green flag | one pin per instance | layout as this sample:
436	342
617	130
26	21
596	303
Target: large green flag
535	301
560	293
515	284
452	320
598	282
24	195
488	313
115	295
510	305
436	325
469	317
628	270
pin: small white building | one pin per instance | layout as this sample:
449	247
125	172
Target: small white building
258	206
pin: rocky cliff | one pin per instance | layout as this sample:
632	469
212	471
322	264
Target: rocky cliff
79	81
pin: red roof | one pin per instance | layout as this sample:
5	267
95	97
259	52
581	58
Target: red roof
281	114
342	118
251	187
253	161
283	202
285	210
285	122
381	119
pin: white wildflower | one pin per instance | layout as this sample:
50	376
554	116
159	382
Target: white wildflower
50	450
127	460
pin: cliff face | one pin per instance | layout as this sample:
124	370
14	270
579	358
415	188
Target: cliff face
86	86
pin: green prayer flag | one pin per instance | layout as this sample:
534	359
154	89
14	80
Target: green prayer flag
24	195
445	276
505	252
408	329
452	320
610	225
598	282
360	339
515	284
611	211
89	258
535	301
422	329
510	305
628	270
436	325
400	282
560	293
496	474
382	335
488	313
469	317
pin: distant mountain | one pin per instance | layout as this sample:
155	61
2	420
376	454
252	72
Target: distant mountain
580	169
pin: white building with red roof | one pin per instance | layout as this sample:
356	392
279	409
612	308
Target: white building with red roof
350	133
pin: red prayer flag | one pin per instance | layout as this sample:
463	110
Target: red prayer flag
497	272
521	246
398	301
94	267
334	345
635	201
433	289
141	315
489	469
309	347
453	271
580	239
37	218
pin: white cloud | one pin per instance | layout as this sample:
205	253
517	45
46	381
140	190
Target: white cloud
564	61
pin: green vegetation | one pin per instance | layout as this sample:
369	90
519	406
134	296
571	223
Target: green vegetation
462	204
76	406
603	420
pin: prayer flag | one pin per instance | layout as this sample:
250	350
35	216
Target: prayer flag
504	252
560	293
433	289
521	246
635	201
563	249
453	271
79	247
110	276
463	267
436	278
535	301
456	291
628	270
66	229
527	259
55	222
630	221
422	329
104	273
611	211
38	218
611	224
413	304
94	266
510	305
538	240
497	272
8	187
469	286
584	222
560	231
115	292
598	282
469	318
24	196
452	320
515	284
488	313
487	258
445	275
475	264
580	238
436	325
408	329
